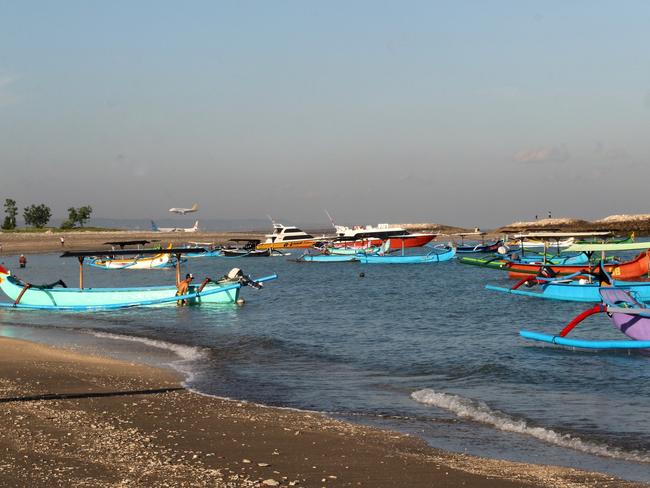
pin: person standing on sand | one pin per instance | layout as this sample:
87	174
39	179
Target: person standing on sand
62	239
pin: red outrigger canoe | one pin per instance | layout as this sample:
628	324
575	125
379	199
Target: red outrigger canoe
628	270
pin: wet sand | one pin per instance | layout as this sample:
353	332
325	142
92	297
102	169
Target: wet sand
74	420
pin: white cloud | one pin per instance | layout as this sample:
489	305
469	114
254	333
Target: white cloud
548	154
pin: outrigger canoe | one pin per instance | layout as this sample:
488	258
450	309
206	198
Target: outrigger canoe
628	315
135	260
327	258
434	256
628	270
572	289
499	262
50	297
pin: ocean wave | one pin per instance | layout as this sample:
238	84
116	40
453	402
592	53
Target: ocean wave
478	411
187	354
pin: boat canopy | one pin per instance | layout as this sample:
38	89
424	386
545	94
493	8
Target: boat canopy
127	252
625	246
561	235
256	241
128	243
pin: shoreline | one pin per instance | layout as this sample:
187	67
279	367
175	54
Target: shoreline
71	418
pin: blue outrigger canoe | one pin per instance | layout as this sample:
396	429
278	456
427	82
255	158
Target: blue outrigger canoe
578	287
627	314
327	258
57	296
432	257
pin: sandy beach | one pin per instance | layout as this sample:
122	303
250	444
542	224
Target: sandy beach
32	243
75	420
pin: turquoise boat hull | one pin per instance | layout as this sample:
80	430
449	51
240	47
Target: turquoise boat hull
112	298
432	257
573	291
328	258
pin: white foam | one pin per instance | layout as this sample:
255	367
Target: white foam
480	412
186	354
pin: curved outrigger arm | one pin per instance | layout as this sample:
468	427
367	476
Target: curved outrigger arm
599	308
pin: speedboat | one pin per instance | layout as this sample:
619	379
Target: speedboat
287	237
369	235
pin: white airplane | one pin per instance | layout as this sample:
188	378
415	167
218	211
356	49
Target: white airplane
183	211
155	228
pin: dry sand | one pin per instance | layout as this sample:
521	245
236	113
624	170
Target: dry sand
19	242
74	420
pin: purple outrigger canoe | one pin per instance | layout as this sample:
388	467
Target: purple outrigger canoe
628	315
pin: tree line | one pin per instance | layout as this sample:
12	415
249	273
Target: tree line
39	215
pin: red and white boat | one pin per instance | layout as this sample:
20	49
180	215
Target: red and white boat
366	236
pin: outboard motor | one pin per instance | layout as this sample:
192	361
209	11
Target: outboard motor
238	275
546	272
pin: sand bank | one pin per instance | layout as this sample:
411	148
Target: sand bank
17	243
74	420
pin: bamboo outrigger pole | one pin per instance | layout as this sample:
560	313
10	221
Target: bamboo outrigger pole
178	268
81	272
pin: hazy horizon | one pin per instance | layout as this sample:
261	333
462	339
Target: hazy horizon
458	113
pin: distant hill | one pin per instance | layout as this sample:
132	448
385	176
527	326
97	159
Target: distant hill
638	223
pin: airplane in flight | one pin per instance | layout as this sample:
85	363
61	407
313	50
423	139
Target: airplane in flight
155	228
183	211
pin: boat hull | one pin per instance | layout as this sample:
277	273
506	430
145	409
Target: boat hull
432	257
328	258
634	326
154	262
298	244
629	270
575	292
396	242
479	248
245	253
109	297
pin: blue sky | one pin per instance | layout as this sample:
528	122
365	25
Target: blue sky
470	113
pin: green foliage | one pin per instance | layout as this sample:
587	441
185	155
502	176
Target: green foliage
77	216
37	215
11	212
83	214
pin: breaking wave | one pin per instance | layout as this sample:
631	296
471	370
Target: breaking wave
186	354
478	411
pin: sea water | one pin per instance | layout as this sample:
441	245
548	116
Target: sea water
422	349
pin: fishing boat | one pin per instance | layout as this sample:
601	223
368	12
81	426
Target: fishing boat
211	251
555	240
133	258
246	250
56	296
327	258
287	237
500	261
627	314
438	254
476	247
369	235
621	270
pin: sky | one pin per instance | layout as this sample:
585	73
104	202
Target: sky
470	113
